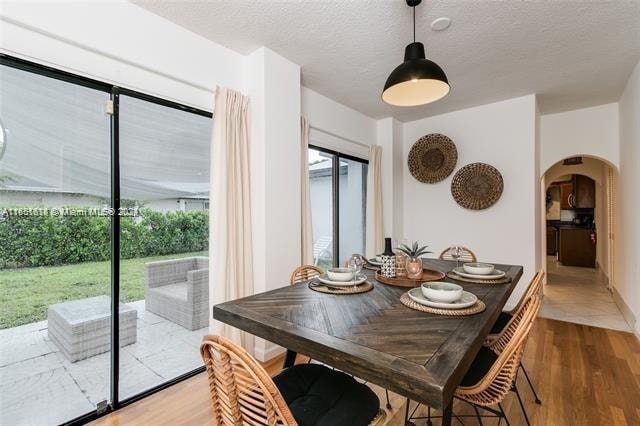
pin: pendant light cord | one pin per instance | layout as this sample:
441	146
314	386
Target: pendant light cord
414	24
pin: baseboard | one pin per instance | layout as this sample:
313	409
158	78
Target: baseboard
627	313
265	351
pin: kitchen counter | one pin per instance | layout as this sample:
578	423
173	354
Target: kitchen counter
567	225
575	246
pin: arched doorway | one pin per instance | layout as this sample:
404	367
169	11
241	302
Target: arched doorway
579	216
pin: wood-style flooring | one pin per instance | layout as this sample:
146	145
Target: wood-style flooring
584	376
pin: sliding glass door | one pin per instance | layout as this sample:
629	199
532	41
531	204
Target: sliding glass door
338	189
164	191
103	196
55	280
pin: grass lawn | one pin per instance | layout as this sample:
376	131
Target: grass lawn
25	293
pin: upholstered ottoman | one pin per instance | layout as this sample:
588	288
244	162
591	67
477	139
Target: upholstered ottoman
82	328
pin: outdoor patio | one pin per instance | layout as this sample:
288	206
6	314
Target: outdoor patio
40	386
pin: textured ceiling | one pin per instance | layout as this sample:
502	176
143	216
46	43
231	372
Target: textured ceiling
571	53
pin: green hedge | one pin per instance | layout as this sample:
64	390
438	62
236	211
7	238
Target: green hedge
46	240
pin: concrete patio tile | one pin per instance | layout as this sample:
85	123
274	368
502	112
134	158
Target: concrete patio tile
40	386
15	347
20	370
50	397
174	360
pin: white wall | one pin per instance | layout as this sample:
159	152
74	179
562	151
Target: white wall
627	275
588	131
389	137
120	43
336	126
274	88
501	134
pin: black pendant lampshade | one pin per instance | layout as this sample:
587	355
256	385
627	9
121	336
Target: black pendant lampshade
416	81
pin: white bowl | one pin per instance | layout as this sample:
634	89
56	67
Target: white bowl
440	291
379	258
341	274
477	268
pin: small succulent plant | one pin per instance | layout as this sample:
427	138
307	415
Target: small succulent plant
415	251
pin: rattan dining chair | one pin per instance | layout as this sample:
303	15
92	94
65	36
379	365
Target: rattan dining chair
466	256
493	373
500	378
242	393
506	316
304	273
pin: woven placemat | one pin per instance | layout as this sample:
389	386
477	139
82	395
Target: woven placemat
471	310
360	288
457	277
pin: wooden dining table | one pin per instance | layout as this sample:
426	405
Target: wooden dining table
373	336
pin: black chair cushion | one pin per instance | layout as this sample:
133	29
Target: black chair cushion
501	322
320	396
480	367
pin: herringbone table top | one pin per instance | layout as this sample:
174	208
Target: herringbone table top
372	335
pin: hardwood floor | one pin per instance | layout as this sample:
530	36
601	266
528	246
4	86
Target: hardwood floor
584	376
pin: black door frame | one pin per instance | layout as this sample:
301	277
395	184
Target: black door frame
335	191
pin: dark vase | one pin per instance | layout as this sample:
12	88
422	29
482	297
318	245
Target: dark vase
388	268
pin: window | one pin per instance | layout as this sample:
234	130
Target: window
95	206
338	188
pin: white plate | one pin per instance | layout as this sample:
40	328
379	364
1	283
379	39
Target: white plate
494	276
375	262
325	280
467	299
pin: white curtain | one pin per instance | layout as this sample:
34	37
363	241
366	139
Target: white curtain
306	231
375	223
231	271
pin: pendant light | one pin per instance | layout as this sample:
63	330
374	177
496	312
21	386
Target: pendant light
416	81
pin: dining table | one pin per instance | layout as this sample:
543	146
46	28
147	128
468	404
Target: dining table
373	336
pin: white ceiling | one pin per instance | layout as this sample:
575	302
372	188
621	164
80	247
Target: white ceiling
572	53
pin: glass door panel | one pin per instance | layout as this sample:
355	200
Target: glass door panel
164	188
55	281
353	191
321	192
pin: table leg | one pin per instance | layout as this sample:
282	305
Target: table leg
446	414
289	359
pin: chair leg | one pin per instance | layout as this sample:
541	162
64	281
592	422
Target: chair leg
506	419
478	414
429	416
386	391
524	410
535	394
406	414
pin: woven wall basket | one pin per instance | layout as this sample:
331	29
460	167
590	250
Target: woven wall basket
432	158
477	186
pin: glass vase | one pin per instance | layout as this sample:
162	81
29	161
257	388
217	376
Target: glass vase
414	268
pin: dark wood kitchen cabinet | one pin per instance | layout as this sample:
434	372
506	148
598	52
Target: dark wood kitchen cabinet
552	241
584	192
576	248
566	193
579	193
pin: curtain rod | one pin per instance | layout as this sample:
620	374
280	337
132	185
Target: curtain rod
339	137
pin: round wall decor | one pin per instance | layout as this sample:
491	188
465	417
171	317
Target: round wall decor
432	158
477	186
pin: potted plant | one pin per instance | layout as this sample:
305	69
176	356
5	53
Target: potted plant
414	262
